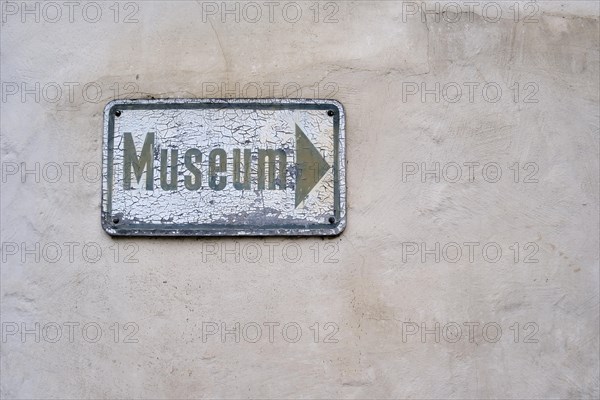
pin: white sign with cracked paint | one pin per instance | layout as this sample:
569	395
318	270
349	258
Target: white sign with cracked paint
223	167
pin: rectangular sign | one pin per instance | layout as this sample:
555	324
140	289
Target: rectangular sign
221	167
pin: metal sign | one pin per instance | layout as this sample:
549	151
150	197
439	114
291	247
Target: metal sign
218	167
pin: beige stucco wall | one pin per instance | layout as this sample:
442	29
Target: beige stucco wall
376	288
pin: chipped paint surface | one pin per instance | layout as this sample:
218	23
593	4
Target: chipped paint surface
130	207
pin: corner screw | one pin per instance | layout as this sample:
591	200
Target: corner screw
118	113
330	113
116	220
331	220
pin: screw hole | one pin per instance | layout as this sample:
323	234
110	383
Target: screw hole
116	220
118	113
330	113
331	220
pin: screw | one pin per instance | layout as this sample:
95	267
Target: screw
330	113
118	113
116	220
331	220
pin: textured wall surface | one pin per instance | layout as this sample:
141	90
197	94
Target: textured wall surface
469	265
